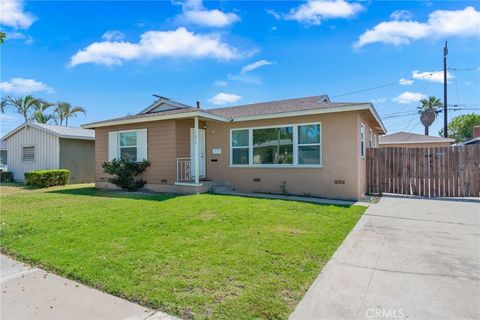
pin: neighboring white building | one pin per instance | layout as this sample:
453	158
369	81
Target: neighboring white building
34	146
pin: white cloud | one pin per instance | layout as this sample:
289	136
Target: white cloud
245	78
220	83
255	65
432	76
12	15
401	15
156	44
409	97
113	35
195	13
315	11
440	24
224	98
24	86
20	36
405	82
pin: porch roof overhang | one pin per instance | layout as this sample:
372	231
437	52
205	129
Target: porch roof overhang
156	117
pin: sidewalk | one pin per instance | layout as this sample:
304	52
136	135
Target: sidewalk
32	293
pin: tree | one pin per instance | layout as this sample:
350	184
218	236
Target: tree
39	114
431	102
23	106
3	36
461	128
65	110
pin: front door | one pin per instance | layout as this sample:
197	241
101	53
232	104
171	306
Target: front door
201	149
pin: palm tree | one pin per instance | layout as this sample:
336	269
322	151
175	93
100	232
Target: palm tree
39	114
65	110
431	102
22	106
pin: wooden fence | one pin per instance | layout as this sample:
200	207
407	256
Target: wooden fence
429	172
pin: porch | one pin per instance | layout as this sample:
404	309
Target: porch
190	171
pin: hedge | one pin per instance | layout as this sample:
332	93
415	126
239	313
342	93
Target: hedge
6	176
47	178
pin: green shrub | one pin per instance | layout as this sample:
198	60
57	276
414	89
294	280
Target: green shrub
123	173
47	178
6	176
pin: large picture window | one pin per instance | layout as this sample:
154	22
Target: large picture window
283	146
128	145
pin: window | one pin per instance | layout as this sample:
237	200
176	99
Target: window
309	144
370	141
240	147
28	154
284	146
273	146
128	145
362	140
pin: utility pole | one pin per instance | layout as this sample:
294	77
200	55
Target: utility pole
445	117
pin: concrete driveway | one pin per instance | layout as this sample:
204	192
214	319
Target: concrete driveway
406	258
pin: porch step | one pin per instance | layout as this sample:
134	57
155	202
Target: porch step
220	187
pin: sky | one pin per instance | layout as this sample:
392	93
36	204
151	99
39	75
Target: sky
111	56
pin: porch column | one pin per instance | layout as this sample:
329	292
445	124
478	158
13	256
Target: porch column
197	153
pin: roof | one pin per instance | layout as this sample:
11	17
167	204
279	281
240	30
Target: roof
471	141
409	137
264	110
59	131
274	107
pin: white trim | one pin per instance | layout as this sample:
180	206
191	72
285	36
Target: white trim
119	147
33	125
176	105
295	164
416	142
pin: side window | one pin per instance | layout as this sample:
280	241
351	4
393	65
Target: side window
362	140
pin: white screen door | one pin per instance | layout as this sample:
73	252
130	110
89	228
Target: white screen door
201	148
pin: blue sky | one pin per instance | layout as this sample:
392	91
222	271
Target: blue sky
229	53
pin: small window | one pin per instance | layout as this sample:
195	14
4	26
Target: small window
375	140
28	154
370	141
309	144
362	140
240	147
128	145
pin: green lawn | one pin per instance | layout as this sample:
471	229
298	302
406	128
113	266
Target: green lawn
201	256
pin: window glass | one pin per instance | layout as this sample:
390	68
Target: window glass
309	154
128	153
128	139
240	156
273	146
309	134
240	138
362	140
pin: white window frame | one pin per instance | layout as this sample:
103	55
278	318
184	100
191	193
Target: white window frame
375	139
119	147
295	147
362	141
34	152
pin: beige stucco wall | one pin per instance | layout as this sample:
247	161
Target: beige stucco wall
78	156
170	139
417	145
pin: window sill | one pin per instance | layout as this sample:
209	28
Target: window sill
315	166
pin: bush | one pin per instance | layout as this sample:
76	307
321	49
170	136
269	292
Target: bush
123	173
6	176
47	178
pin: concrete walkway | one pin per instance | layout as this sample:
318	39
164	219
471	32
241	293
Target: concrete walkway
32	293
406	258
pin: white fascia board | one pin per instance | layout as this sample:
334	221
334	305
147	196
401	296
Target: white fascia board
416	142
156	118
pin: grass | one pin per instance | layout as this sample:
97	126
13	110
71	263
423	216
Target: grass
200	256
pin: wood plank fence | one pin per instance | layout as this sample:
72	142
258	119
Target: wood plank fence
429	172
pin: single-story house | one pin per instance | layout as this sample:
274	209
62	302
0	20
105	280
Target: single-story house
413	140
475	137
304	146
34	146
